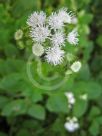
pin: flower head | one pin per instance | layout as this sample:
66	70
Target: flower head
36	19
72	124
55	22
72	37
54	55
75	67
58	39
39	34
65	16
71	98
37	49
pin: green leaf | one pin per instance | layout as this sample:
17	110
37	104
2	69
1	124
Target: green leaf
58	126
11	66
30	124
37	111
4	37
91	88
99	40
2	134
33	94
94	112
94	128
99	119
15	107
23	132
11	82
80	108
3	101
23	7
11	50
84	73
57	103
85	18
94	90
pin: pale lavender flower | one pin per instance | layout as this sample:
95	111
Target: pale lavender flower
54	55
72	37
39	34
36	19
58	39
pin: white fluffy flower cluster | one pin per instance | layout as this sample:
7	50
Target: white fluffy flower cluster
49	34
71	99
72	124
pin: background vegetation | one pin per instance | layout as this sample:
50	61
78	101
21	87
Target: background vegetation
29	111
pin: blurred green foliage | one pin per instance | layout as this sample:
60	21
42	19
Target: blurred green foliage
29	111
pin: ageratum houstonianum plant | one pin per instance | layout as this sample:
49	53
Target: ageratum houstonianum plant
49	34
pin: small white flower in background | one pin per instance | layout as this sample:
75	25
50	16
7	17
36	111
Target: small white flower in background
37	19
72	37
75	67
72	124
58	39
71	98
84	97
54	55
37	49
18	34
65	16
39	34
50	31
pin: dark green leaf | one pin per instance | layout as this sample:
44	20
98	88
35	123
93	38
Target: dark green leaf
15	107
37	111
57	103
80	108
